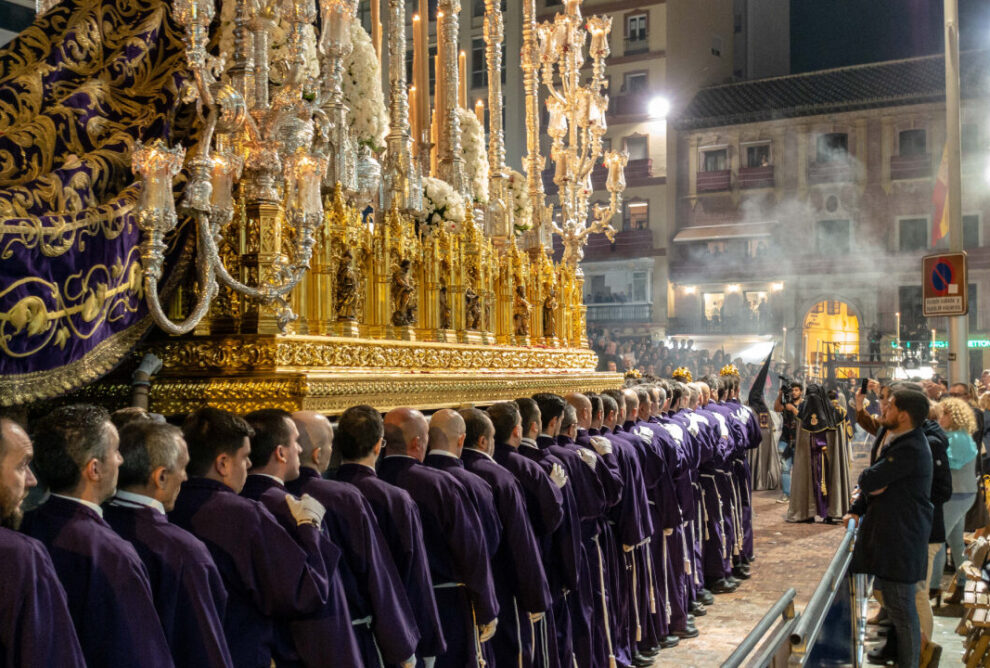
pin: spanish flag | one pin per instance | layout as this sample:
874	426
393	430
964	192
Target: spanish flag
940	198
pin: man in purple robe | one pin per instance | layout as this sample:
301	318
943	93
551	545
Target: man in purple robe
383	619
359	439
187	588
268	574
33	608
452	532
544	497
520	580
109	596
633	527
275	459
446	439
589	494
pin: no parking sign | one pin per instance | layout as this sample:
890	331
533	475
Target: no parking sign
944	280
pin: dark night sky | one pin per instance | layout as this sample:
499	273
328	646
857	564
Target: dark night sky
835	33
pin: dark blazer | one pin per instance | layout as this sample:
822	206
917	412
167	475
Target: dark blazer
941	478
893	533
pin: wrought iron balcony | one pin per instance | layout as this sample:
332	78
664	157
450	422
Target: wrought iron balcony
638	312
714	181
636	45
911	166
756	177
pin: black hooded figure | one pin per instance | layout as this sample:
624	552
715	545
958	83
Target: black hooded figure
820	479
764	461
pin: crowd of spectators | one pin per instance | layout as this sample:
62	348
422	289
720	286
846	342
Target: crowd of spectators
655	358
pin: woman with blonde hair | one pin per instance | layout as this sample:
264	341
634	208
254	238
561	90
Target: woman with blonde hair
958	422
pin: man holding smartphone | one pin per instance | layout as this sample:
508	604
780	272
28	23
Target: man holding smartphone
788	406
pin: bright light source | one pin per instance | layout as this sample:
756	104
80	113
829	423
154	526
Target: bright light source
658	107
776	287
690	289
732	288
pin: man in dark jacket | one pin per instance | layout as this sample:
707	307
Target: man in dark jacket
897	518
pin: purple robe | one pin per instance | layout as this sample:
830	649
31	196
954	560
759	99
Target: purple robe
456	548
267	574
35	626
398	518
187	588
307	640
545	508
370	578
106	585
520	580
478	490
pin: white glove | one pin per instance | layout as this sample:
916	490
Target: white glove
588	457
537	617
602	445
558	476
428	661
668	532
410	662
486	631
305	509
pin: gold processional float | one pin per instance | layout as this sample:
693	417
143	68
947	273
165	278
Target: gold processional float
325	278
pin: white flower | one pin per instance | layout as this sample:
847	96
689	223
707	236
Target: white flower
443	205
474	154
522	211
367	115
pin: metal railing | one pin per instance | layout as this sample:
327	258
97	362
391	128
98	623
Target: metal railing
809	625
784	608
793	638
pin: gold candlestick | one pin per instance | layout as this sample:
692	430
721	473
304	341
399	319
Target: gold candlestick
462	80
376	29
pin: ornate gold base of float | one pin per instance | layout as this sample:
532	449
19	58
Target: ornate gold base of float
329	374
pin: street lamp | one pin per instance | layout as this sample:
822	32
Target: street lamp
658	107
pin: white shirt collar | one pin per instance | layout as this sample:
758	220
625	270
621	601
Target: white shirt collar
139	499
483	454
529	443
444	453
402	456
88	504
273	477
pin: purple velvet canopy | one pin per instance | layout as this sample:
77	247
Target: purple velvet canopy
78	89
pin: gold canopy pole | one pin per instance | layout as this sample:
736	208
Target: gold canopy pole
450	164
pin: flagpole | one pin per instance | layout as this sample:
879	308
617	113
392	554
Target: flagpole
958	325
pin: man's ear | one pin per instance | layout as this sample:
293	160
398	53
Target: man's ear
93	470
281	454
222	464
314	456
158	477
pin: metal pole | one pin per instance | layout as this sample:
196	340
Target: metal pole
959	325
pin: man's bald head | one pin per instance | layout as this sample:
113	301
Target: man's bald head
315	439
632	403
16	477
406	433
582	406
447	431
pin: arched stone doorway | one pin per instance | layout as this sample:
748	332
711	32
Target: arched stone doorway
830	324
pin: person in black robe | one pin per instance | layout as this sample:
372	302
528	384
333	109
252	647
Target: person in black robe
383	619
520	580
360	432
33	607
267	573
187	588
454	538
106	583
275	459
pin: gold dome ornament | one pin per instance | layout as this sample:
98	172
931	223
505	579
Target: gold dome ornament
633	374
729	370
682	373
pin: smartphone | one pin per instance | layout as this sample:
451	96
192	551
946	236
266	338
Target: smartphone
862	386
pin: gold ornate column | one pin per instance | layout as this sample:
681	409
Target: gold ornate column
499	223
260	258
403	181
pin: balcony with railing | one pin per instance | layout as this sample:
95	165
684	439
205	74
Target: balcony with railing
714	181
638	172
910	166
628	104
756	177
636	44
630	312
832	171
628	244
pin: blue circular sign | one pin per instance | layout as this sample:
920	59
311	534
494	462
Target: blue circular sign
941	276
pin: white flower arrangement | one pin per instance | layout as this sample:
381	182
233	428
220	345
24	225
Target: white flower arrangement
474	154
367	115
443	205
522	210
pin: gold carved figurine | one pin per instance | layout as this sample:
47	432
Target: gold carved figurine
347	288
403	295
472	309
521	312
550	313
